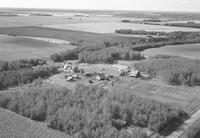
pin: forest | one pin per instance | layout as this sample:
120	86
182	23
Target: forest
89	111
108	52
17	72
173	70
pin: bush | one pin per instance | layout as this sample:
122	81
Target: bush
109	55
22	76
173	70
140	32
19	64
91	111
67	55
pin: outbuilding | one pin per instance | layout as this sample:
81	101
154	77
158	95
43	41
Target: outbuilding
135	73
100	76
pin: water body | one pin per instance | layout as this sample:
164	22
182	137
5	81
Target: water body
186	50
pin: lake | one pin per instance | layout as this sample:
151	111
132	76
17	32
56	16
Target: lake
186	50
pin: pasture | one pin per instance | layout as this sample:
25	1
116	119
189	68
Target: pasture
12	48
185	50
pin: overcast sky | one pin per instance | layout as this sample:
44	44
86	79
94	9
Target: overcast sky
145	5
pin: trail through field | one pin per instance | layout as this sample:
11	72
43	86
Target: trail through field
189	124
13	125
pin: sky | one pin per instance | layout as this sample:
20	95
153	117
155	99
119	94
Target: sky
142	5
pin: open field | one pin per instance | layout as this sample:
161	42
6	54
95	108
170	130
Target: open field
49	20
186	50
110	27
13	125
68	35
183	97
12	48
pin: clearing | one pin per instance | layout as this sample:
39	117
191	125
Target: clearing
187	98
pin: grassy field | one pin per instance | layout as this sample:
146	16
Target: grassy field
186	50
12	48
69	35
184	97
13	125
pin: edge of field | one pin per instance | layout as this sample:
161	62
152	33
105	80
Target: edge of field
13	125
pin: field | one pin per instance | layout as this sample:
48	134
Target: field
47	20
68	35
110	27
187	50
12	48
185	98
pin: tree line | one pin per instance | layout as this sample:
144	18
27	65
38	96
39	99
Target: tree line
19	64
106	53
173	70
27	75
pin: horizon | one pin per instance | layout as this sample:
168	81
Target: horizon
109	10
111	5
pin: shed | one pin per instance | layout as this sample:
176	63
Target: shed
68	68
135	73
69	78
100	76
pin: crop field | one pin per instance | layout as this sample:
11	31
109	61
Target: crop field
12	48
13	125
68	35
184	97
186	50
110	27
47	20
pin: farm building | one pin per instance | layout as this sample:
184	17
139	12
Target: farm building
135	73
100	76
70	68
121	67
